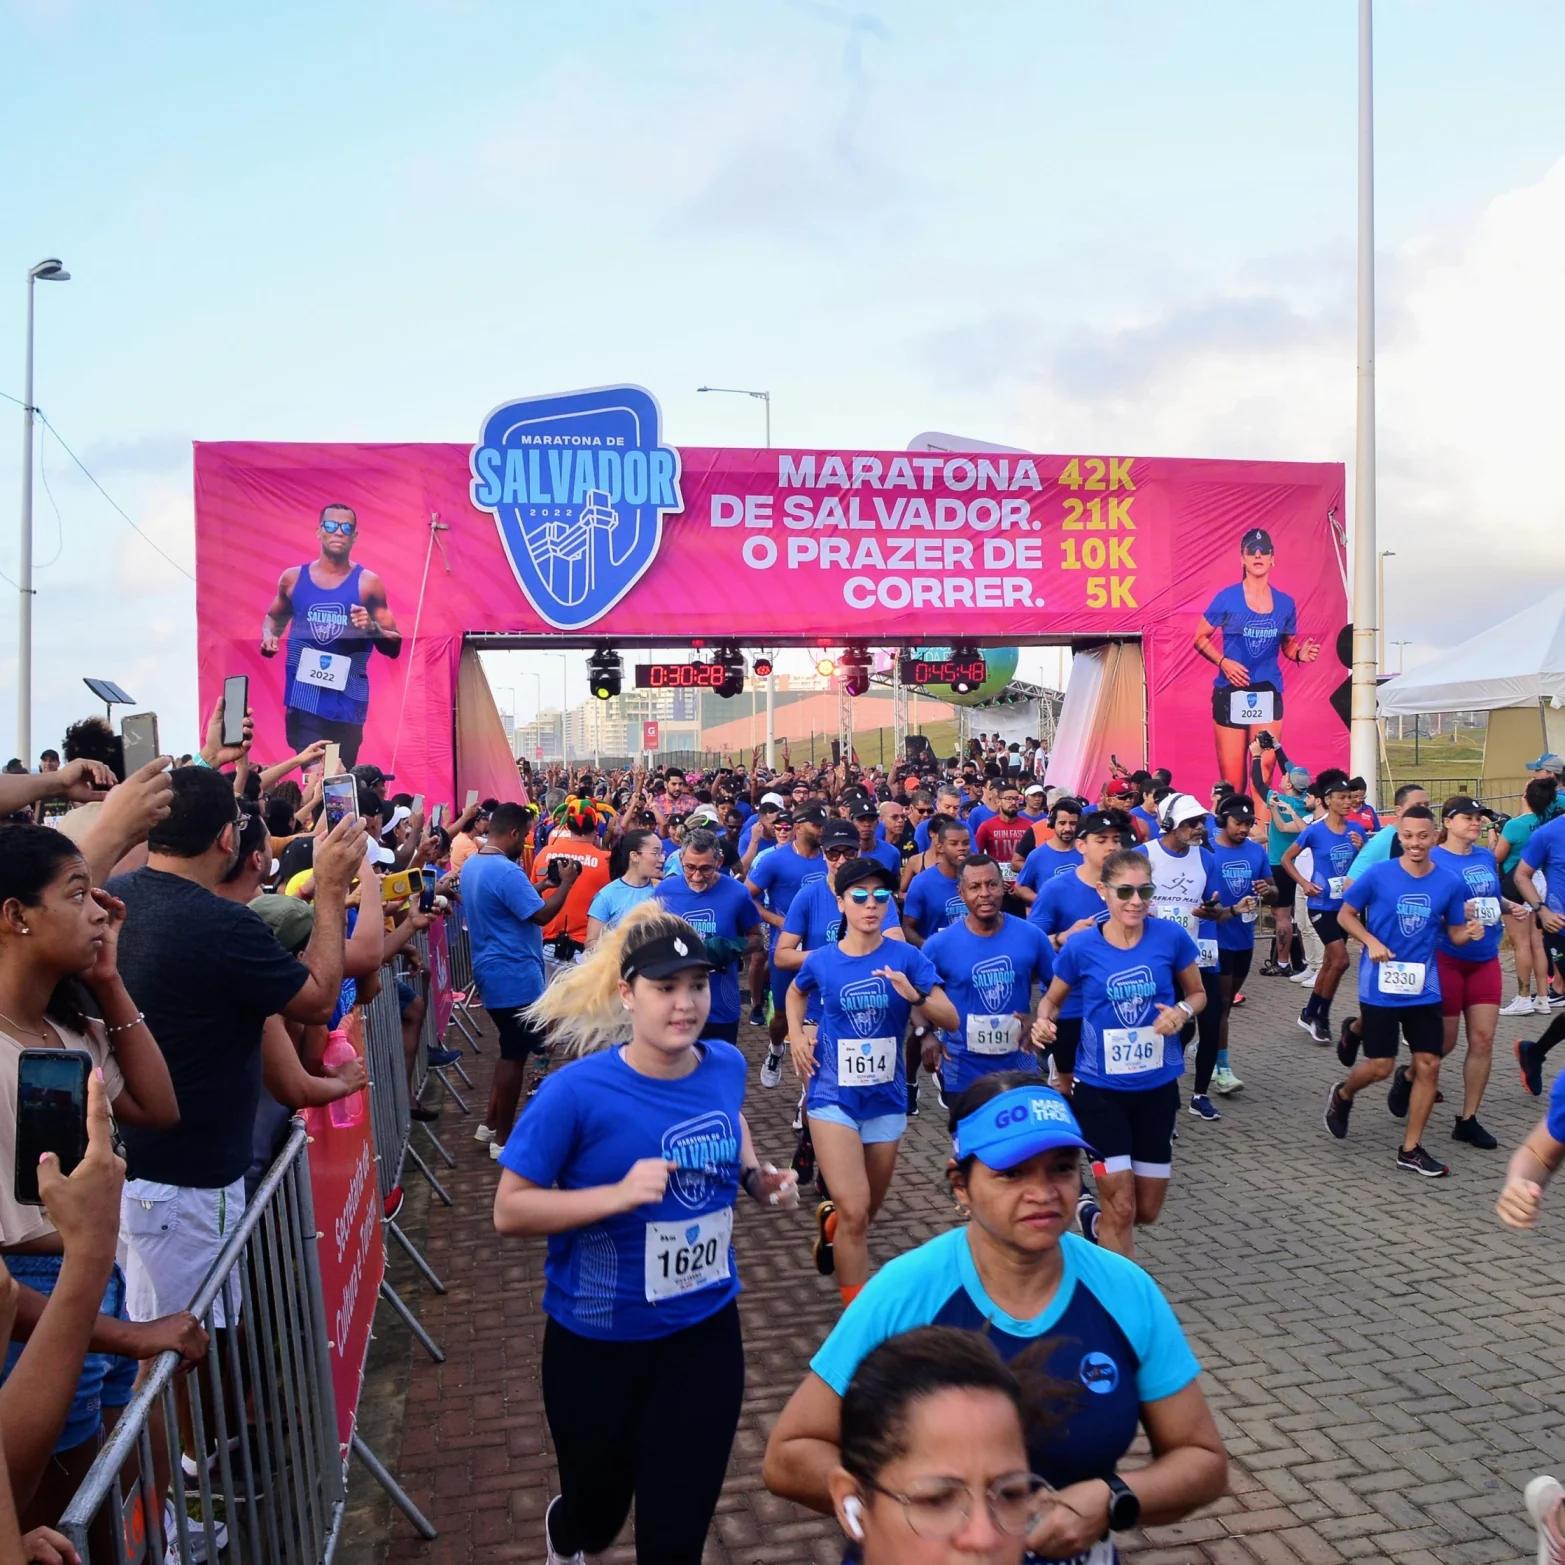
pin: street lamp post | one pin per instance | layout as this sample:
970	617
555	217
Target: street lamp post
49	271
1380	609
739	391
1364	743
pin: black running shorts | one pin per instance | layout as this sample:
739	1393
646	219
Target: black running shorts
1129	1132
1235	965
1422	1026
1327	927
1067	1035
518	1036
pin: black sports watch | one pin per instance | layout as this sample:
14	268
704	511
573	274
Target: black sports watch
1124	1506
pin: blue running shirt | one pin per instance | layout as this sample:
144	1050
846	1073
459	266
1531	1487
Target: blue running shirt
1334	853
663	1267
858	1048
933	901
989	979
1477	872
1113	1333
1250	637
1121	991
1406	914
725	911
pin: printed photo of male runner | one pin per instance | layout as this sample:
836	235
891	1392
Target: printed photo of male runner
339	614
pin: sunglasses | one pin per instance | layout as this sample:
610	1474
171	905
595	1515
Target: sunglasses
1125	893
862	895
842	853
347	529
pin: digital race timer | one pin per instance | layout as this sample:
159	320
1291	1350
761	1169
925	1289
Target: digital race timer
947	671
680	676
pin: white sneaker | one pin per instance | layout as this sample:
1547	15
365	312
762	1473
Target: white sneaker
1540	1005
1306	977
1225	1082
484	1134
1543	1495
771	1069
554	1556
193	1520
496	1148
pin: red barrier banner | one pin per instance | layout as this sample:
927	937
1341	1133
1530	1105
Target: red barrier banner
440	996
351	1251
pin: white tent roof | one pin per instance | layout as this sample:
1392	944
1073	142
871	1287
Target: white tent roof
1519	662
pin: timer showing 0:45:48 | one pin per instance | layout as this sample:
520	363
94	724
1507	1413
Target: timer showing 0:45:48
948	671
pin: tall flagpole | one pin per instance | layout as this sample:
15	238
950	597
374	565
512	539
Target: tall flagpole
1365	750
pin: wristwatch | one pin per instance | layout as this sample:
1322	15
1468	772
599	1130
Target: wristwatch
923	994
1187	1008
1124	1506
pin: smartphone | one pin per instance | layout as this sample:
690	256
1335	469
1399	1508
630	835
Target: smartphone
236	697
426	898
333	758
472	799
139	740
437	821
342	800
418	804
51	1114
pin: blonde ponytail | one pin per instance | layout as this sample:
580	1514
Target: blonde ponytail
581	1009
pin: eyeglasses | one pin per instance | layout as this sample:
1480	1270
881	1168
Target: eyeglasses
1125	893
347	529
841	853
862	895
938	1509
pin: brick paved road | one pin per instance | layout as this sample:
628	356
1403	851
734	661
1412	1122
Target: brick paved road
1379	1350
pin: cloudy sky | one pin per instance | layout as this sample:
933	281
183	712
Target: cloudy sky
1117	225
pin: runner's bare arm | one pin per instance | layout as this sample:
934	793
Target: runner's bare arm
280	613
374	616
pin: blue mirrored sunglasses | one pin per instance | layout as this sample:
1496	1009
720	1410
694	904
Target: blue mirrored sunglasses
863	894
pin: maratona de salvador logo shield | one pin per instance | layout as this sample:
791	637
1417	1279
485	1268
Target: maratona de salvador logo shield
578	485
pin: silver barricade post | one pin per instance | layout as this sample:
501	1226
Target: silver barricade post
272	1488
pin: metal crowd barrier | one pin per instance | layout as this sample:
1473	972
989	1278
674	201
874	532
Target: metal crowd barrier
274	1492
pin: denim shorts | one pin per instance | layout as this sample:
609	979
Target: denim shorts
882	1127
106	1379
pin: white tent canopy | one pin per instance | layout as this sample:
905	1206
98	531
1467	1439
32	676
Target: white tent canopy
1517	663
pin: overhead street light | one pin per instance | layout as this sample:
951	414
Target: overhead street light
50	271
739	391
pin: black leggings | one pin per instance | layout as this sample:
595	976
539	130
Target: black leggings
1208	1029
653	1421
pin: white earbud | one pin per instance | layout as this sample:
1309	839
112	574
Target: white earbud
853	1517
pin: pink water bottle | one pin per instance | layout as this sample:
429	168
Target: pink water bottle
349	1111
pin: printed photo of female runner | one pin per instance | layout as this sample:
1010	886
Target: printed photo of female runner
1247	630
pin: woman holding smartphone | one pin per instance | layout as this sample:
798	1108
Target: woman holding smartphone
630	1160
59	940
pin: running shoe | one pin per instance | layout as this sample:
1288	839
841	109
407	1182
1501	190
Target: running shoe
1237	1001
798	1111
439	1059
1470	1131
757	1016
1418	1161
912	1100
1520	1006
1544	1495
825	1232
1400	1092
1225	1082
1337	1110
484	1134
495	1149
1347	1043
1540	1005
1556	1002
1531	1066
1306	976
554	1556
940	1093
194	1515
771	1069
1315	1027
1201	1106
1087	1213
1269	969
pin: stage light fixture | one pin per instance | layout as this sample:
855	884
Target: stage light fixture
761	667
825	667
733	679
853	670
604	673
965	652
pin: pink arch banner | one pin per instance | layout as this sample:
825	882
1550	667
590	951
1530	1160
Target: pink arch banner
1230	572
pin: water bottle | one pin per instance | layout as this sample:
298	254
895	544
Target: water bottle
349	1111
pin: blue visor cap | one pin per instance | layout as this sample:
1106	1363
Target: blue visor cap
1017	1125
